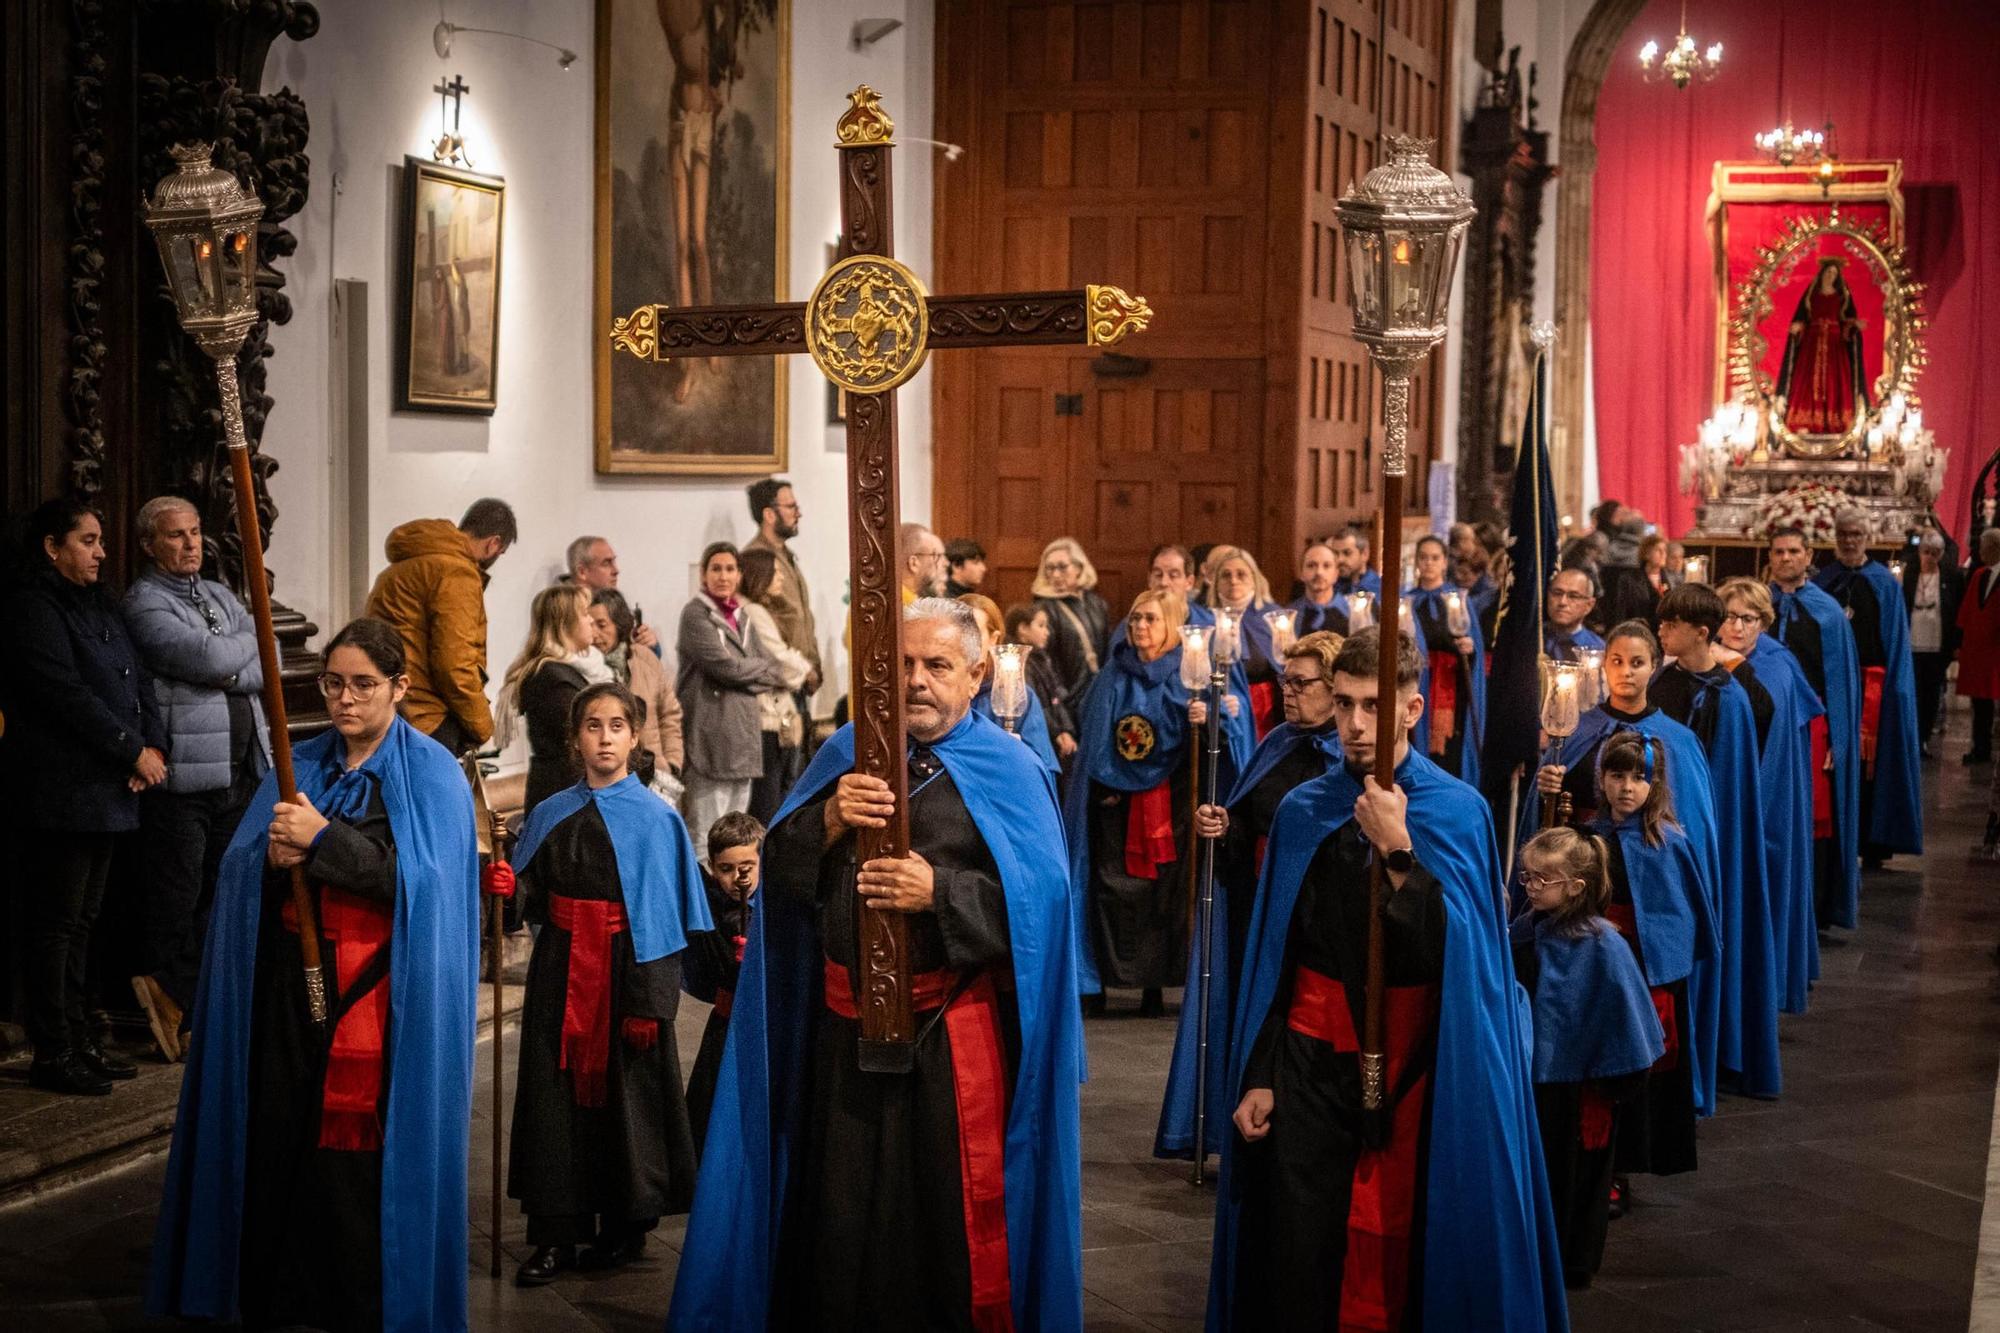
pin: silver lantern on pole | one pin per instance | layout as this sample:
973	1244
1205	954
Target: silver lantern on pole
205	224
1404	224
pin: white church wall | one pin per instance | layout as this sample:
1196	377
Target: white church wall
366	79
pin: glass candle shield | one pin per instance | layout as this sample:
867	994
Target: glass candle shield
1010	681
1560	708
1590	678
1696	569
1360	611
1194	657
1225	643
1456	618
1283	631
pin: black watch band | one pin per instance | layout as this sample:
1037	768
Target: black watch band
1401	861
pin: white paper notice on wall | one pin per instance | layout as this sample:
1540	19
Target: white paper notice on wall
1443	498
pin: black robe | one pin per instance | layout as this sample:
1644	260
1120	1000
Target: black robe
1864	612
1299	1179
1141	924
1829	879
708	972
1436	627
630	1161
1656	1127
1238	859
312	1216
874	1232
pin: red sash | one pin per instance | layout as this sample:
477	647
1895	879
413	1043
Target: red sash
979	1085
725	996
1443	706
1623	916
1375	1281
350	1108
1822	780
1594	1118
1149	831
586	1026
1263	695
1871	715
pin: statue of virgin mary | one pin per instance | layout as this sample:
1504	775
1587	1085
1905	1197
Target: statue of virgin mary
1823	379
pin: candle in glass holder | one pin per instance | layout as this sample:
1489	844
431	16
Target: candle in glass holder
1456	619
1560	708
1696	569
1283	631
1194	657
1225	642
1010	683
1360	611
1589	685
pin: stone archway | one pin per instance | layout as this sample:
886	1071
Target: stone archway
1587	62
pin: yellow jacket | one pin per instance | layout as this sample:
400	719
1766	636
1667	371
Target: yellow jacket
434	593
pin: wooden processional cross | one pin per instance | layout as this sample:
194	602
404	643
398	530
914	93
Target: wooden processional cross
868	326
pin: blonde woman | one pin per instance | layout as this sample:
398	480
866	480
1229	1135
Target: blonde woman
1079	622
549	672
1237	585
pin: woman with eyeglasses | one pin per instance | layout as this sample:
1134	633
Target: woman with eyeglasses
1079	622
84	738
1786	773
559	661
338	1153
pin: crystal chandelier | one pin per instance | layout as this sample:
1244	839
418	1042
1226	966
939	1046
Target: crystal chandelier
1788	146
1683	62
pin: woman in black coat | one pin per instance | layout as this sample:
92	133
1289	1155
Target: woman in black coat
550	672
84	738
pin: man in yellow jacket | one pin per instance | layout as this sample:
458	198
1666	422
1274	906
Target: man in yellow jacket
434	593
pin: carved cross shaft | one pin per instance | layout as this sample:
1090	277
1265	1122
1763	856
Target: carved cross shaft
868	326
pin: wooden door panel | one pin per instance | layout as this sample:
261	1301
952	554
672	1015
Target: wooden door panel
1019	463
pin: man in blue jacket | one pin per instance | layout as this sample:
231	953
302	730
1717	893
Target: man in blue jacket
201	646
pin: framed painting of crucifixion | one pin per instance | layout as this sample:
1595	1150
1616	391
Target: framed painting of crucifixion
693	175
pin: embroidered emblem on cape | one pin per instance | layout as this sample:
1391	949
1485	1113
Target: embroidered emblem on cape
1135	737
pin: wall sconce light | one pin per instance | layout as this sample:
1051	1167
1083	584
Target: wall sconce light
445	30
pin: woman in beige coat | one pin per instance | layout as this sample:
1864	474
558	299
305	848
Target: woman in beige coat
641	671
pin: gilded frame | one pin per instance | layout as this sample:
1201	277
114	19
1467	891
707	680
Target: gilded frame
609	459
411	395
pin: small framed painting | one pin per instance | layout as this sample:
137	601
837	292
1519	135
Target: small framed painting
448	347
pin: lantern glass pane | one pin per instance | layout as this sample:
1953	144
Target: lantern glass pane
1364	255
1407	305
239	261
1443	261
194	288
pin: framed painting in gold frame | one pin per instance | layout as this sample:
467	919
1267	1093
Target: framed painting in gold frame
692	180
448	343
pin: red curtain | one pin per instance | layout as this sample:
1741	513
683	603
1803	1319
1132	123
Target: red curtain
1916	80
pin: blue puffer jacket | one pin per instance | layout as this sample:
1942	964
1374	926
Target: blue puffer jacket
196	663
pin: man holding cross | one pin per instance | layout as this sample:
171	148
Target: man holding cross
848	1183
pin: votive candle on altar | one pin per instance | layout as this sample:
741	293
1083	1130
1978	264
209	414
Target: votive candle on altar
1360	611
1283	631
1225	642
1455	618
1696	569
1194	658
1010	683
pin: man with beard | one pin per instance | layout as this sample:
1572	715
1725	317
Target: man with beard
1892	816
776	510
947	1196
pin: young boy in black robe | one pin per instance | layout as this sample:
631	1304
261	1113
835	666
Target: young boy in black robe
602	1146
714	958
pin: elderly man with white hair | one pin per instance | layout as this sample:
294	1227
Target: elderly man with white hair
943	1193
591	563
201	646
1931	592
1892	813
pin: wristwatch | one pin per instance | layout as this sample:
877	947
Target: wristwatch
1401	861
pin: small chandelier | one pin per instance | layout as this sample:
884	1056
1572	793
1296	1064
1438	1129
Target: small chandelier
1683	62
1788	146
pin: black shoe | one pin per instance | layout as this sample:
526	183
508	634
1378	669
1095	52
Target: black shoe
1621	1197
617	1254
65	1071
544	1265
1093	1005
1152	1004
104	1062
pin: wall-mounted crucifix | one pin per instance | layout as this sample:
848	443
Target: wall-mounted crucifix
450	145
868	326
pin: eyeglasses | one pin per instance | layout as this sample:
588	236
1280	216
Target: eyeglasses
1299	684
360	688
1055	566
1529	880
207	611
1743	618
1565	595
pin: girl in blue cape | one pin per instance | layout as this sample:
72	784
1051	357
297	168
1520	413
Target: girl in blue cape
602	1147
1130	802
318	1186
1596	1032
1455	691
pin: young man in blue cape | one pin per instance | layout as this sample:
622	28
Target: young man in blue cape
1892	815
1814	628
1127	809
1350	549
1785	770
1434	1212
327	1187
1296	751
1712	702
947	1197
602	1147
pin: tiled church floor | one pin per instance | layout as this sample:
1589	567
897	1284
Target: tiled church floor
1853	1202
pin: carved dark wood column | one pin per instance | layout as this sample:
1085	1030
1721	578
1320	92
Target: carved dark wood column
1507	159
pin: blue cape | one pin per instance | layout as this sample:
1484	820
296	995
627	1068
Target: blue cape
1033	725
1693	791
1741	987
1153	691
1786	775
1556	646
1896	816
1594	1017
1840	664
1475	713
1675	921
756	1130
433	976
1492	1259
1175	1138
658	875
1311	617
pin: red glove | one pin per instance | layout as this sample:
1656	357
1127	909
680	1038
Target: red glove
640	1033
497	880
